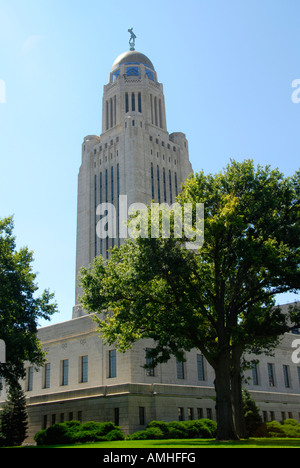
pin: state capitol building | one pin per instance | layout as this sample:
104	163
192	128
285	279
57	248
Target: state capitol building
85	380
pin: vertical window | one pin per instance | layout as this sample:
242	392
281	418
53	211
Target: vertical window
152	185
117	416
112	357
133	102
200	367
65	372
79	416
112	185
158	185
106	186
155	110
298	370
29	379
111	113
200	413
106	112
140	102
164	182
84	368
126	103
286	376
149	360
101	184
271	375
190	414
47	375
160	114
180	369
180	414
44	425
115	110
142	415
209	413
255	374
151	106
176	187
170	184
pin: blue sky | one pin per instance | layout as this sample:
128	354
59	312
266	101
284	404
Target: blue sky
227	69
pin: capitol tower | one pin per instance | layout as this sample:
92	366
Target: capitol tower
134	156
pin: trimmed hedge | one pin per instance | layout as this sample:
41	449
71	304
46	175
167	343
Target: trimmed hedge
74	432
200	428
289	428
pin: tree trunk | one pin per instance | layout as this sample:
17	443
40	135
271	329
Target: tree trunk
236	389
226	429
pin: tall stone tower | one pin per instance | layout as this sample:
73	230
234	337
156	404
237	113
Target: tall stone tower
134	156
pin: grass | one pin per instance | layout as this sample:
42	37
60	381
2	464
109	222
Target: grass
187	443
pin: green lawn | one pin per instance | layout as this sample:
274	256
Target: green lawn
188	443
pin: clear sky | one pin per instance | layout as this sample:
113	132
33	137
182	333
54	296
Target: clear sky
227	69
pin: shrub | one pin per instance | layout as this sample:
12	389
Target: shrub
275	429
75	432
150	433
115	434
289	428
202	428
291	422
160	425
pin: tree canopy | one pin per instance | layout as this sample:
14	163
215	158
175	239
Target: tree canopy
20	308
219	299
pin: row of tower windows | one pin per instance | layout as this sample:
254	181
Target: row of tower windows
131	100
108	186
111	112
165	182
156	111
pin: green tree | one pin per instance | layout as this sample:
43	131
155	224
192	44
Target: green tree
13	417
20	309
219	299
253	419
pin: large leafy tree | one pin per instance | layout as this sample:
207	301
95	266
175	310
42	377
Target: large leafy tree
20	308
219	299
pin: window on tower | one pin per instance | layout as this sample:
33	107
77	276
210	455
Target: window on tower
132	71
150	74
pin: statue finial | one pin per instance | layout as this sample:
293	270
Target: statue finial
132	39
